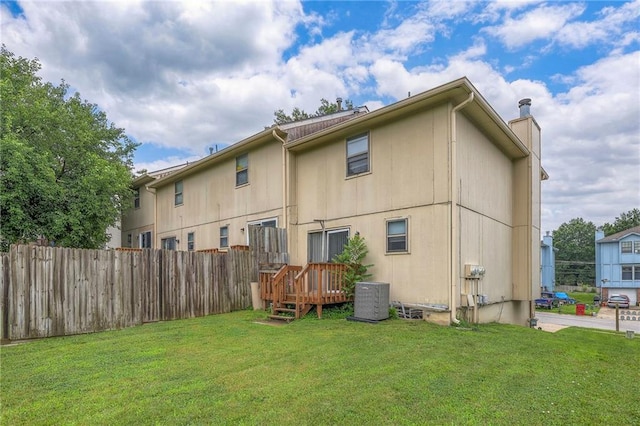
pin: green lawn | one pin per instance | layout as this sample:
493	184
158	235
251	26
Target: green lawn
228	369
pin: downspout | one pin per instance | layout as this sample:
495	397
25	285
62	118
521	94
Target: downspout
453	229
284	184
155	215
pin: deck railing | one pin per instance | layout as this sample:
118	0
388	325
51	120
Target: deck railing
278	286
321	283
315	284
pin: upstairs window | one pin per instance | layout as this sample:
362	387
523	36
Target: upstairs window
636	247
625	246
178	193
397	236
358	155
242	170
224	236
136	198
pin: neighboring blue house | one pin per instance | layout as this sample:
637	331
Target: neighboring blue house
547	263
618	263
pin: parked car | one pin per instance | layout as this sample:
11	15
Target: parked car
547	300
621	300
564	298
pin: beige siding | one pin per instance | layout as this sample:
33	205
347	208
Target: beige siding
137	221
407	169
485	175
211	200
408	173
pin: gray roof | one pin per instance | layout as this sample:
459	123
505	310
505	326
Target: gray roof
620	235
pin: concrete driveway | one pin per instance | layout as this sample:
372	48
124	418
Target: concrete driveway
606	320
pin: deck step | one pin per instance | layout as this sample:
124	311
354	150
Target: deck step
281	318
284	310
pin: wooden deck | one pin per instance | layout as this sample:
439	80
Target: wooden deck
294	290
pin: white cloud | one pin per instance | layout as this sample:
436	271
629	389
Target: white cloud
194	74
534	24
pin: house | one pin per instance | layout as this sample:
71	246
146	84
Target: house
547	263
445	193
138	224
618	263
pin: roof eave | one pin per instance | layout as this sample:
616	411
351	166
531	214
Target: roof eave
454	92
232	150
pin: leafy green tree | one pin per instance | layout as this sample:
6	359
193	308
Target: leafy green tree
326	107
65	170
575	259
623	222
353	256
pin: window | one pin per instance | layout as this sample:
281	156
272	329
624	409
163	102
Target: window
129	240
136	198
144	240
270	223
190	241
178	193
630	272
323	246
397	236
627	273
636	247
169	243
224	236
625	246
242	170
358	155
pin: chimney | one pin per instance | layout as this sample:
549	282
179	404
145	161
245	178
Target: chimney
339	102
525	106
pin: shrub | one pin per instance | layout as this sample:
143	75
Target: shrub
353	256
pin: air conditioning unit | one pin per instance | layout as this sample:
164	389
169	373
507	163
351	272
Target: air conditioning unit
371	301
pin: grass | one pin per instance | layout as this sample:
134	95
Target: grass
229	369
580	297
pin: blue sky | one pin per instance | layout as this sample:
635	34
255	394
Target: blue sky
181	77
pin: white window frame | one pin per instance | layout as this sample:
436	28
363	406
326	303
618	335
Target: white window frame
260	222
240	169
143	237
224	236
191	241
636	247
354	156
405	235
167	241
178	194
325	241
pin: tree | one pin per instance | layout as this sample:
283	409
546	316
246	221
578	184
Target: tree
65	170
575	259
353	256
623	222
325	108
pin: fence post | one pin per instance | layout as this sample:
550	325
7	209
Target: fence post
4	298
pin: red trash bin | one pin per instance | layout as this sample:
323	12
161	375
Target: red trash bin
580	308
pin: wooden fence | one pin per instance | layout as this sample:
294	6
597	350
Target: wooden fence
50	291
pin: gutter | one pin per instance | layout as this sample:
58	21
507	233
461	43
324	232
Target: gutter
284	183
453	191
